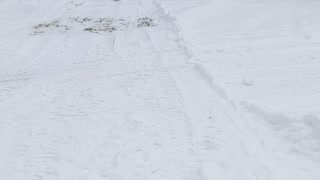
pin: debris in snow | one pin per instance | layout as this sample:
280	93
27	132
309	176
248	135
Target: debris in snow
80	20
145	22
42	28
101	29
98	25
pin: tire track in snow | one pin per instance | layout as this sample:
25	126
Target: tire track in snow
163	125
214	118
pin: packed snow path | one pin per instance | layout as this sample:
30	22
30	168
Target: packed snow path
108	90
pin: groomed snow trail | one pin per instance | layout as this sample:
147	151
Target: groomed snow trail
104	89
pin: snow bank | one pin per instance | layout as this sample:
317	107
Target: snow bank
302	133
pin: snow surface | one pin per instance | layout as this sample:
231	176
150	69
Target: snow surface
150	89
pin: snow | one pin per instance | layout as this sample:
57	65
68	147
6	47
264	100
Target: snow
178	90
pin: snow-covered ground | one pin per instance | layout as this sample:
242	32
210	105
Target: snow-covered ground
160	89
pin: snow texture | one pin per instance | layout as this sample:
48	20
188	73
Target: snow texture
159	89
